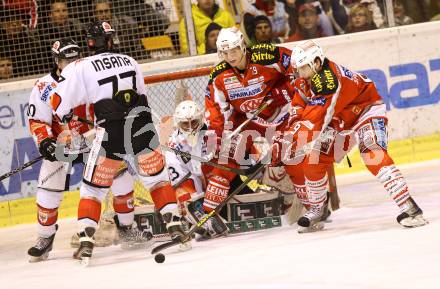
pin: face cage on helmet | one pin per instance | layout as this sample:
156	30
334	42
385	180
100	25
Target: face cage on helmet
192	126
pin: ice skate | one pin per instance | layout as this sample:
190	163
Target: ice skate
85	250
311	221
40	251
131	237
413	216
214	227
176	230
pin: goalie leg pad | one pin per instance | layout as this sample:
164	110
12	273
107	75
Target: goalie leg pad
53	176
216	191
47	207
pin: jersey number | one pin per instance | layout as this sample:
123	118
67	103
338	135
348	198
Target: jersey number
174	175
114	80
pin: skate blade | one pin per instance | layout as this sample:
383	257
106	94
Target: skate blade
85	261
136	246
185	246
313	228
34	259
413	222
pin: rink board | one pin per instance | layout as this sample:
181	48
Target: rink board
417	149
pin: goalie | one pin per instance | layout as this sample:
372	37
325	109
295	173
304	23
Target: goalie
188	176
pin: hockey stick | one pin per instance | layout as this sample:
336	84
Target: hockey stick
19	169
209	163
258	168
333	189
244	123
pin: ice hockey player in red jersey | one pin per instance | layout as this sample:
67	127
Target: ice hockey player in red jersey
336	101
54	175
239	85
114	84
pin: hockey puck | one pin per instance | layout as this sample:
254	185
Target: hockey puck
159	258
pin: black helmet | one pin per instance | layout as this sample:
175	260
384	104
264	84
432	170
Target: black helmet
99	33
65	48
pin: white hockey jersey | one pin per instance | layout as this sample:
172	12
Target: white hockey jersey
94	78
179	167
42	124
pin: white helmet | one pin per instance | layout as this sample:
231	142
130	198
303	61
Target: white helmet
229	38
188	117
306	53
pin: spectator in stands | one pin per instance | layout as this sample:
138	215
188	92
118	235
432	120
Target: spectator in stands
360	18
211	35
5	67
57	24
292	15
26	7
336	13
262	31
274	10
204	12
400	16
372	5
23	44
324	20
435	5
151	22
308	24
126	28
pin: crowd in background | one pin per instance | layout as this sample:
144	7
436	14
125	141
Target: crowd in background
29	27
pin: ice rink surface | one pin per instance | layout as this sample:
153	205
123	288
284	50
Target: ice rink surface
363	247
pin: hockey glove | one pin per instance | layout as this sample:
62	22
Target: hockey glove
47	149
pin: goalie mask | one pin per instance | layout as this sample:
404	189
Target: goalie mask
188	117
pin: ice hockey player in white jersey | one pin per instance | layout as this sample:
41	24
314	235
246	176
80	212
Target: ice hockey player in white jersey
114	84
188	175
54	175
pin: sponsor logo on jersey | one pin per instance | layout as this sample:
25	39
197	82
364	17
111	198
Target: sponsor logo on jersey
317	101
324	81
285	60
248	91
256	80
230	80
346	72
41	86
233	85
261	56
251	104
330	83
266	46
46	93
